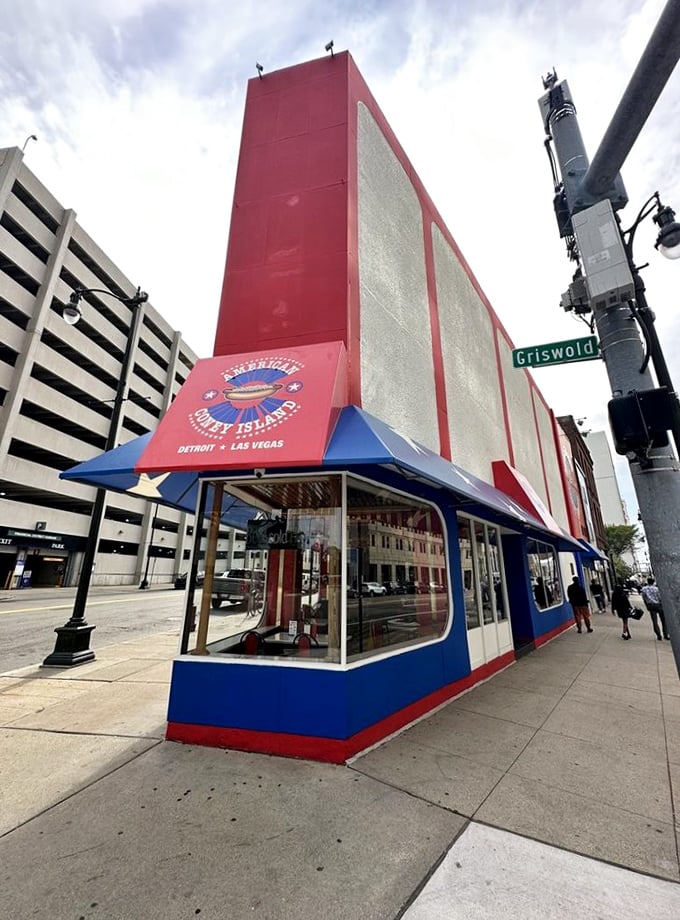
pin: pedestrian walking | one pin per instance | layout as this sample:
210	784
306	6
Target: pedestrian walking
597	591
652	600
578	599
621	606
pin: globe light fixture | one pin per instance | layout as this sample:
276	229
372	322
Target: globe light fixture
668	240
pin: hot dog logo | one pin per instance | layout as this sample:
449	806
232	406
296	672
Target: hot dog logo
251	399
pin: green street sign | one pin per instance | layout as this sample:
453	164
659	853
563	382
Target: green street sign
586	349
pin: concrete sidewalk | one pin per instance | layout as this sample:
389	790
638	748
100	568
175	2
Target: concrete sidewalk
550	791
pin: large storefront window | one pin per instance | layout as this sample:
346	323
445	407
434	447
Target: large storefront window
396	571
318	592
544	574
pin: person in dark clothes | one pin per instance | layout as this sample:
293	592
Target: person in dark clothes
578	599
597	591
542	594
621	606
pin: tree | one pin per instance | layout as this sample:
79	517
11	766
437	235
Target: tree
621	538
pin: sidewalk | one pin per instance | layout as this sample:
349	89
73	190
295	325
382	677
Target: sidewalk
551	791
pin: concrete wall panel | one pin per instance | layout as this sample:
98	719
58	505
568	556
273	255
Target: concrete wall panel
551	463
473	396
397	375
523	433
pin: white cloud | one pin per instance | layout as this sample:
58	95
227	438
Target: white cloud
138	104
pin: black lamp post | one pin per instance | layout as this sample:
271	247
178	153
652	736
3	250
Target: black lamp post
73	639
145	580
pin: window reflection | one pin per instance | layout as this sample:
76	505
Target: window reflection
292	605
482	573
544	574
396	571
472	616
392	583
497	573
485	586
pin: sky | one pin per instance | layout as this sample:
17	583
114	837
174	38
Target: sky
137	108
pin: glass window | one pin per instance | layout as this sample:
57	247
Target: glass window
483	576
294	593
497	572
411	603
287	602
544	574
469	573
486	590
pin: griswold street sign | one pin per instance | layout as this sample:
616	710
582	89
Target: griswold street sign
585	349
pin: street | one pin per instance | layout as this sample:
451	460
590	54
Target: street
28	619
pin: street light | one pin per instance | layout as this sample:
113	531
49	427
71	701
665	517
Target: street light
668	244
586	197
73	639
145	580
668	240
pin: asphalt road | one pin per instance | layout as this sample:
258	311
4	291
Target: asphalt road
28	619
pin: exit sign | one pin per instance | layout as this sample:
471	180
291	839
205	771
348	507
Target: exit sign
585	349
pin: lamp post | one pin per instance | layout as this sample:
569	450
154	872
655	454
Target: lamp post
608	283
144	583
72	646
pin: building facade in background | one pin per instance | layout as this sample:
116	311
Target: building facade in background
612	504
57	386
583	499
613	507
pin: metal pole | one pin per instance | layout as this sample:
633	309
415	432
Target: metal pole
645	86
657	485
145	580
73	639
657	479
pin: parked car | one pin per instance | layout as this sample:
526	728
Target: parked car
394	587
242	586
181	580
436	588
352	592
373	588
415	587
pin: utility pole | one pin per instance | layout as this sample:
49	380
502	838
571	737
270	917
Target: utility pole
607	282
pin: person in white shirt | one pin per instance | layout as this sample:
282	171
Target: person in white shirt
652	598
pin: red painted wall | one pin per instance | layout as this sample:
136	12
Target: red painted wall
286	279
292	274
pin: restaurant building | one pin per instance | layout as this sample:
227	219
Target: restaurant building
362	409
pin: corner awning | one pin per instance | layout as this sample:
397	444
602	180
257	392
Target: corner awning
591	552
360	439
116	471
357	440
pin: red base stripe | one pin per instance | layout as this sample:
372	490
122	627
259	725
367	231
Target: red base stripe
546	637
328	750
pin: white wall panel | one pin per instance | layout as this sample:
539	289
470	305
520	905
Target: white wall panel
473	396
557	503
397	373
527	458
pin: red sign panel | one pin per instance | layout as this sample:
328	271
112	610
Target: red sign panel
264	409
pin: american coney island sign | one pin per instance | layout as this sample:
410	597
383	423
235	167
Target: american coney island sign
270	408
